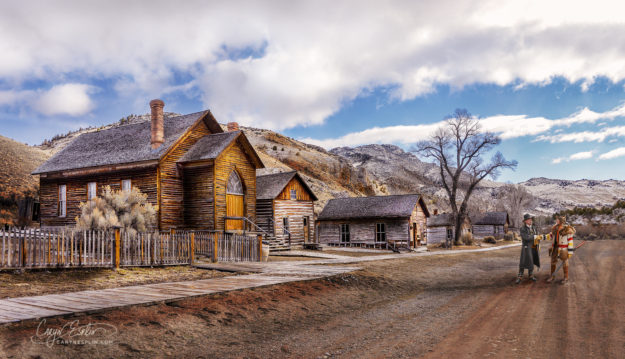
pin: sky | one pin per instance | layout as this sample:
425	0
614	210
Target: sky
547	76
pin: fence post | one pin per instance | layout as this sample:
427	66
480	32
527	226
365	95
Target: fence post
215	256
22	248
116	249
192	247
260	247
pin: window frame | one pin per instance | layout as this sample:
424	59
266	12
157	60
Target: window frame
62	201
293	194
285	225
344	233
129	181
229	189
450	233
380	232
95	190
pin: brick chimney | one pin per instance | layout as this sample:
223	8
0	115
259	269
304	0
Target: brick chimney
157	126
233	126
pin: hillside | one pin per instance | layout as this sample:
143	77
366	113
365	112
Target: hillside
17	161
344	171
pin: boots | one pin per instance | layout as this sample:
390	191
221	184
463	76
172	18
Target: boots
532	277
553	269
566	275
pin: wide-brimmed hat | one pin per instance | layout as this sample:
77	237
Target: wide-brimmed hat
527	216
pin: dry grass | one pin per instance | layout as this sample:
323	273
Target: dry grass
38	282
604	231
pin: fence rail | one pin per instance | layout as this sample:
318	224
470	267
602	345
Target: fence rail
228	247
47	248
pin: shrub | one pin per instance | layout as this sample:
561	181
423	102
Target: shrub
128	210
466	239
489	239
509	236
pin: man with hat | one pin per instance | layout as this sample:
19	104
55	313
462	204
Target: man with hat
529	248
562	247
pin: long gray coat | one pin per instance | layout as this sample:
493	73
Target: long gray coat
529	255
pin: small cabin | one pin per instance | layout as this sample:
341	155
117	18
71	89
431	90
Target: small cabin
442	227
285	207
494	224
377	221
196	174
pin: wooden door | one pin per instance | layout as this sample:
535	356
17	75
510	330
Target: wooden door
306	230
234	208
235	200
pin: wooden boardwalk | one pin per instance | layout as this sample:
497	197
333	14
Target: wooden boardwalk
92	301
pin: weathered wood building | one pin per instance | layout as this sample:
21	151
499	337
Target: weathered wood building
490	224
374	221
442	227
285	207
199	176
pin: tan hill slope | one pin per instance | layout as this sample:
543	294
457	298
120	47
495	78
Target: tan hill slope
17	161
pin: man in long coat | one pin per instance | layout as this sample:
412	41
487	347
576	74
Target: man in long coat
529	248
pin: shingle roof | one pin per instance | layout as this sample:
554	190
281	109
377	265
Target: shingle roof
209	147
123	144
494	218
269	186
397	206
441	220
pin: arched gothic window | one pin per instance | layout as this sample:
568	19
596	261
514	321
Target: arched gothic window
234	185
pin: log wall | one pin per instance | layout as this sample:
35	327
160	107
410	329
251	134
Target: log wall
234	158
397	230
264	215
144	180
199	197
484	230
295	211
171	196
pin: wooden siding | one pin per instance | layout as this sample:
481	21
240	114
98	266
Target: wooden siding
301	192
295	211
438	234
144	180
363	230
264	214
234	158
198	197
481	231
418	217
171	214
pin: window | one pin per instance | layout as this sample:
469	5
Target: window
91	190
380	232
293	194
62	206
344	233
126	185
234	185
450	233
305	221
285	225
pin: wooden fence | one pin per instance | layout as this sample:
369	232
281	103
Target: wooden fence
228	247
36	248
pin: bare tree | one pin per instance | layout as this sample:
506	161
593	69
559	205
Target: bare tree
457	148
516	199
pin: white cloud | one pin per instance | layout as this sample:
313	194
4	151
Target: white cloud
618	152
308	61
68	99
585	136
574	157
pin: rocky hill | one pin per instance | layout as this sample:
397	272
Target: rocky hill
340	172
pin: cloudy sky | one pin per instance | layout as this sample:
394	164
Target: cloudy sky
548	76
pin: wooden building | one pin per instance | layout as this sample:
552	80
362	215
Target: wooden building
398	220
197	175
442	227
285	207
490	224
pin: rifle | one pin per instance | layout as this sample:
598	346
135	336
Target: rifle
553	276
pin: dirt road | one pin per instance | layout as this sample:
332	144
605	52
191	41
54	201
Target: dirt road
456	306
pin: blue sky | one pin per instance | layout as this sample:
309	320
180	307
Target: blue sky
547	76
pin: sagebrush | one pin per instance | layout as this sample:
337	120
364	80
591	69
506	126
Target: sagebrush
130	211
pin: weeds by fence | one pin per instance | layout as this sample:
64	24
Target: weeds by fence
36	248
